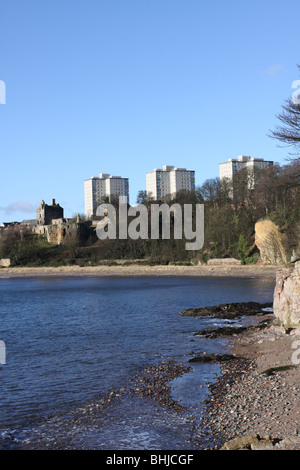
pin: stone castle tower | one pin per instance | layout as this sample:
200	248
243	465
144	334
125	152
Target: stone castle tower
46	213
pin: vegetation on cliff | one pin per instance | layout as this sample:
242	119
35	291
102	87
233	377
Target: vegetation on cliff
232	210
230	219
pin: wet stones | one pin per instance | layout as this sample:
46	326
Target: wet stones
250	442
221	331
226	331
154	382
214	358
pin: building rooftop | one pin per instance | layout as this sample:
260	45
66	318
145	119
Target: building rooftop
104	176
168	168
244	158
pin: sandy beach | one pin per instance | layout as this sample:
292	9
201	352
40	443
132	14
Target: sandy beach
256	271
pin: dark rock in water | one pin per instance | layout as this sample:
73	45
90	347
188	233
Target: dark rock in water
225	331
232	310
220	332
214	358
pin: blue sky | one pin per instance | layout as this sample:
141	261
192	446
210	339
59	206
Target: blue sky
126	86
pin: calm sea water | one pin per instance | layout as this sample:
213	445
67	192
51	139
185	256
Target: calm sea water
70	341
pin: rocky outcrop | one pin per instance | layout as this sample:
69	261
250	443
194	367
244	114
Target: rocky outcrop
250	442
232	310
4	262
287	297
255	442
214	358
269	242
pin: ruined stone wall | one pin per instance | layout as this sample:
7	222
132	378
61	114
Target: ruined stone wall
53	212
62	230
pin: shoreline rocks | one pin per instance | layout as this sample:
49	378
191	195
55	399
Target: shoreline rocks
258	393
247	402
250	442
226	331
231	310
213	358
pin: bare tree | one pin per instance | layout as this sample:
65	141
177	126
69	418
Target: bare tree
289	131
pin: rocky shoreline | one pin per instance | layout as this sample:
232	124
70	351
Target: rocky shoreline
255	403
229	311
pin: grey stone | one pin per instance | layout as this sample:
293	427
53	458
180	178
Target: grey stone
287	297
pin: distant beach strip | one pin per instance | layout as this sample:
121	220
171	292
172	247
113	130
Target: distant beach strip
246	271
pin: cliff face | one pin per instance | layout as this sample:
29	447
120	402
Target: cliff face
269	241
287	297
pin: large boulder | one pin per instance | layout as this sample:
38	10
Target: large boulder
250	442
269	241
4	262
287	297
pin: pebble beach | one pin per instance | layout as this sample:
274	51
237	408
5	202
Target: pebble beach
258	394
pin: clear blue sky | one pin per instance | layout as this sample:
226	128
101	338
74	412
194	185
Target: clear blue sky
126	86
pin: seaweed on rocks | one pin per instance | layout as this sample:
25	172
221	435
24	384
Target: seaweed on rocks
221	331
225	331
229	311
214	358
